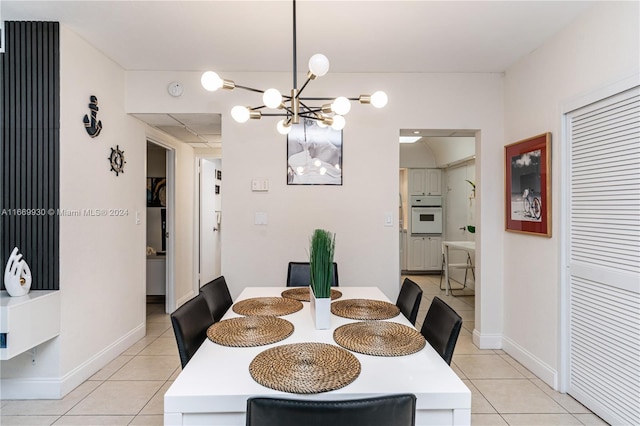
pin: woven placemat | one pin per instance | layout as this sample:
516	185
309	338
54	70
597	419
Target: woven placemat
302	294
274	306
379	338
250	331
305	368
364	309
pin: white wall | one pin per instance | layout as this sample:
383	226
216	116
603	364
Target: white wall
598	49
416	155
367	252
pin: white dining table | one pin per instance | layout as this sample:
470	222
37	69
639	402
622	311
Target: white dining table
468	246
214	386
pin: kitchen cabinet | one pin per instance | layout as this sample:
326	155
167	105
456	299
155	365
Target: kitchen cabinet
425	253
425	182
156	275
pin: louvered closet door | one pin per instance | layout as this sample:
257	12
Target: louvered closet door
604	257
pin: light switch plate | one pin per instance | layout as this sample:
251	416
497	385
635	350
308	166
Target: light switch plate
388	219
259	185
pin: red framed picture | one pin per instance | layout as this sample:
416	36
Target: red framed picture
528	186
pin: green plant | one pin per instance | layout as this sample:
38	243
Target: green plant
322	247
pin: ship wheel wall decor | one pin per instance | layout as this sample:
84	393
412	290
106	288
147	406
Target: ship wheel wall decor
117	160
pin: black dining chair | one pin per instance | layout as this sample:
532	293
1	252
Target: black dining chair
441	328
190	323
396	410
218	297
409	300
299	274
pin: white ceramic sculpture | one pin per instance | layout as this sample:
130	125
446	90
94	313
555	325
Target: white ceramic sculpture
17	275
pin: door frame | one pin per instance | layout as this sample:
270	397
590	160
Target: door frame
170	297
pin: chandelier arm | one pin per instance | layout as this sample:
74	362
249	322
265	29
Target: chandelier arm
302	88
325	99
251	89
295	49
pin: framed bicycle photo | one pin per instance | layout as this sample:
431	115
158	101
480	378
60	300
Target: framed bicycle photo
528	186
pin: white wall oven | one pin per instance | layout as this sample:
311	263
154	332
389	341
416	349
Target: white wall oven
426	214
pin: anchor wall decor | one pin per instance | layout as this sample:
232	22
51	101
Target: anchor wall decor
92	125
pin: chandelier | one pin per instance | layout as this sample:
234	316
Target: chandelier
294	106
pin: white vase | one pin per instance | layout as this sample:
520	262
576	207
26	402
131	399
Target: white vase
320	311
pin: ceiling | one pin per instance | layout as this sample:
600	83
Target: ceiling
254	36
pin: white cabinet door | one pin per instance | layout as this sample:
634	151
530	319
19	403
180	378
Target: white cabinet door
433	255
425	254
425	182
416	254
417	182
433	181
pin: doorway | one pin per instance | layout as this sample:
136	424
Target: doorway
160	260
209	219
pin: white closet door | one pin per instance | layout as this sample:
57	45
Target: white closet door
604	257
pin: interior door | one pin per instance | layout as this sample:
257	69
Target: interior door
603	253
210	219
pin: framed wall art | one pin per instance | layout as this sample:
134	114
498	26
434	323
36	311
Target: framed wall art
314	155
528	186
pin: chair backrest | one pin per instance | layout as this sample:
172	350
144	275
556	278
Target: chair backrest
441	328
218	297
190	322
299	274
409	300
396	410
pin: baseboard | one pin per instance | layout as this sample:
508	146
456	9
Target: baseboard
487	341
538	367
57	387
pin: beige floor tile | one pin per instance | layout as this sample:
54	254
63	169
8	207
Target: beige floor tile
486	367
94	420
566	400
117	398
465	346
487	420
521	368
157	328
153	420
479	404
590	420
169	334
469	325
27	420
156	404
517	396
111	368
175	374
47	407
541	419
153	367
137	347
161	346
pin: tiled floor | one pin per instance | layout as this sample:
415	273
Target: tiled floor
129	391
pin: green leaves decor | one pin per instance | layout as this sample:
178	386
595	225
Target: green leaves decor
322	247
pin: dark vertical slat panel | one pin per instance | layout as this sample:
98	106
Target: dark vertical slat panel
30	146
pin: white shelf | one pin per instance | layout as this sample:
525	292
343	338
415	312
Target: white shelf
28	321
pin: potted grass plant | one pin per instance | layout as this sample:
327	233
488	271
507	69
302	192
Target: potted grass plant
321	250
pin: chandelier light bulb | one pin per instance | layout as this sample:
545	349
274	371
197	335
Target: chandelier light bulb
321	124
379	99
319	65
211	81
283	129
240	114
338	122
341	105
272	98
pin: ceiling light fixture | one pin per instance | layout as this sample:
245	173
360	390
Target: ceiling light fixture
295	106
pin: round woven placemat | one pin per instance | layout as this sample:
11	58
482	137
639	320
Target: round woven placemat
380	338
249	331
302	294
364	309
305	368
274	306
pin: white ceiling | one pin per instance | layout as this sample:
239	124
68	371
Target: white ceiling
253	36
